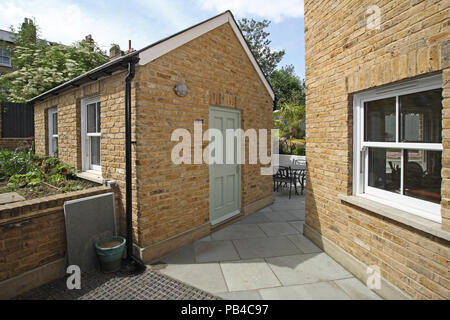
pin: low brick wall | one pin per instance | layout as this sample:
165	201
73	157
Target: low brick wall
11	143
32	232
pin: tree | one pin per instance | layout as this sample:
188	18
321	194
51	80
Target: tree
288	120
40	66
288	87
257	40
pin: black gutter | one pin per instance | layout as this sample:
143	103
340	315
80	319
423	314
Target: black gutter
139	265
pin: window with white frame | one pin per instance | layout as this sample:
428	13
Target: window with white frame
5	57
53	132
398	146
91	134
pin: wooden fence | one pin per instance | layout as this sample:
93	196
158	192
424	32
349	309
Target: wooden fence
17	120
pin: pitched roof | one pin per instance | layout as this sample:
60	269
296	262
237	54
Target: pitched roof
161	47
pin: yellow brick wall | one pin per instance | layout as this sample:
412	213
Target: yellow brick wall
112	113
344	57
167	199
217	71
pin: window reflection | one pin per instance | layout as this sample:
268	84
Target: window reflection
421	117
422	176
380	120
385	169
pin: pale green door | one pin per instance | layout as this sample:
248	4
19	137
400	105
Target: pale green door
225	179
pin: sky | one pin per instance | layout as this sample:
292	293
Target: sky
147	21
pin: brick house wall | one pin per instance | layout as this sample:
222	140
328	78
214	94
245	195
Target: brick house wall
112	93
344	57
169	201
217	72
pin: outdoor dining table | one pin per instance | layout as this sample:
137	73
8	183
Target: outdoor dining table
292	174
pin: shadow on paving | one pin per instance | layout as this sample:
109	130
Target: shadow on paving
95	285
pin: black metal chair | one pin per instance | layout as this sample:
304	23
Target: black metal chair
300	176
284	176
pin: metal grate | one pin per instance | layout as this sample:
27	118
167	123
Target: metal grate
150	285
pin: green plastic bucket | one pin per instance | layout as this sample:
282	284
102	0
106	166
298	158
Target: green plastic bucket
110	252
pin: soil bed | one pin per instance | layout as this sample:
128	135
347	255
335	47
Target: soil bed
43	190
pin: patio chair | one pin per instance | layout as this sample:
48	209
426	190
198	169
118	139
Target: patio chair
284	176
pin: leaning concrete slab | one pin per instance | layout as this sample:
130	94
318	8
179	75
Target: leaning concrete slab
87	220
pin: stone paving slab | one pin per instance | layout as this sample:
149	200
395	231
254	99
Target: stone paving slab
238	231
265	247
205	276
214	251
240	295
306	268
149	285
248	275
312	291
275	229
10	197
304	244
356	289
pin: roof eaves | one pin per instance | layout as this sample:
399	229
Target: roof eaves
106	69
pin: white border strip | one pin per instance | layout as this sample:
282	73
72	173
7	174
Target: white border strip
172	43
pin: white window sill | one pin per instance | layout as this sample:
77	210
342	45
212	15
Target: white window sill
92	176
398	215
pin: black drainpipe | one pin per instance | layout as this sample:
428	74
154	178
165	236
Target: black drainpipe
139	265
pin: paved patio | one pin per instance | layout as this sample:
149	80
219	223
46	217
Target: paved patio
264	256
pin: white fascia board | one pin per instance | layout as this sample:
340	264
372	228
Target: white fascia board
172	43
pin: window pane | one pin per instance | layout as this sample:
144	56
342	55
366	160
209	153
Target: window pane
379	121
91	118
385	168
422	176
55	146
95	150
55	123
421	116
98	117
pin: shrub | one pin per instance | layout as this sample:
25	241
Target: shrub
299	151
12	163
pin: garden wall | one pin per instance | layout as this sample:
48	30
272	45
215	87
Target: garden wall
33	240
288	160
9	143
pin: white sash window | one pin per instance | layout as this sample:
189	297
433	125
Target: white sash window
398	146
53	132
91	134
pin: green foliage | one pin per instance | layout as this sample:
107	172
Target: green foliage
31	178
12	162
299	151
23	168
288	87
51	161
257	40
41	67
288	120
56	179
